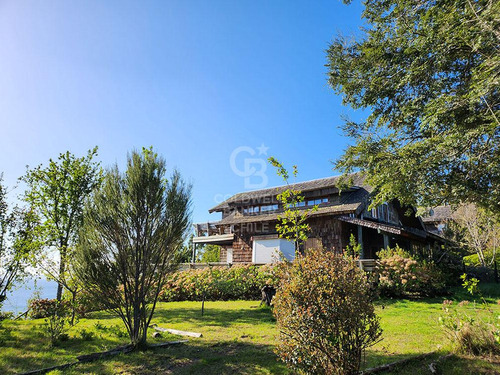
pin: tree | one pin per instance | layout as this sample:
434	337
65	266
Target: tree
17	247
57	194
133	228
292	223
477	231
210	254
185	255
428	73
324	314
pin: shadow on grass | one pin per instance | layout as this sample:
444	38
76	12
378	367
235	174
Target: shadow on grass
214	316
192	358
449	365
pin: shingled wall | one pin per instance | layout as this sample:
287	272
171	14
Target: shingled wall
330	232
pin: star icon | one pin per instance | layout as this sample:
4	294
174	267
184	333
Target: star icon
262	149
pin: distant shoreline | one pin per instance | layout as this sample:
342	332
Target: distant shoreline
17	299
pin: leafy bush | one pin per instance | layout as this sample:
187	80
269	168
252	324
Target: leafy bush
399	274
114	329
56	324
6	315
86	335
470	334
43	308
218	283
324	313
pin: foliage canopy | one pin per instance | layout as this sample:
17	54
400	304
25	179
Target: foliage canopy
428	72
56	194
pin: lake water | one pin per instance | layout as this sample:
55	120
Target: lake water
17	299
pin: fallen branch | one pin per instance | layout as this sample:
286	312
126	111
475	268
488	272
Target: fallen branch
48	369
390	366
168	343
94	356
177	332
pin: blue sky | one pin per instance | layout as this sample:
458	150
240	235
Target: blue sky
195	79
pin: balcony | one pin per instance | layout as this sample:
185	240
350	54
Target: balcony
211	233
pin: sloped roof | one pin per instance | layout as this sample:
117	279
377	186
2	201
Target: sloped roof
237	218
437	214
322	183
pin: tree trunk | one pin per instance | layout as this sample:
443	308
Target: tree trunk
59	292
62	269
73	307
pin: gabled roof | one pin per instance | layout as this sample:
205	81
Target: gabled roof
437	214
322	183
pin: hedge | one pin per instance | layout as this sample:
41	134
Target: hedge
218	283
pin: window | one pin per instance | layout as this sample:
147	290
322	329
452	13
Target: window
318	201
259	209
251	210
383	212
269	207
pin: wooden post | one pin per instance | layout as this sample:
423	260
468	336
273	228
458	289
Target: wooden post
386	240
193	260
360	242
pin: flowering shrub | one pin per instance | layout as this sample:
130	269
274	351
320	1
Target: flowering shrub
44	308
401	275
218	283
324	314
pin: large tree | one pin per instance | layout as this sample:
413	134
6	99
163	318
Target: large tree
17	246
56	194
134	226
428	74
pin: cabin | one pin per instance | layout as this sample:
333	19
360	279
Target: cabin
247	232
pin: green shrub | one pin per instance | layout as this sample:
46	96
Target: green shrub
324	314
56	324
6	315
114	329
43	308
470	334
400	275
218	283
86	335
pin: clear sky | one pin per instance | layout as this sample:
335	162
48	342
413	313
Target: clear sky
201	81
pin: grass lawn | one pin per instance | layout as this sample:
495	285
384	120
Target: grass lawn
238	338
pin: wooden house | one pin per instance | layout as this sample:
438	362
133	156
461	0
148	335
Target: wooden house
247	229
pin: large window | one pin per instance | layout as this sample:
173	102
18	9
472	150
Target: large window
318	201
269	207
259	209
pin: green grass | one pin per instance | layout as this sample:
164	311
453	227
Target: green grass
238	338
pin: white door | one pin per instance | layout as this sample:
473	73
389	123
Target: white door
268	251
229	252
